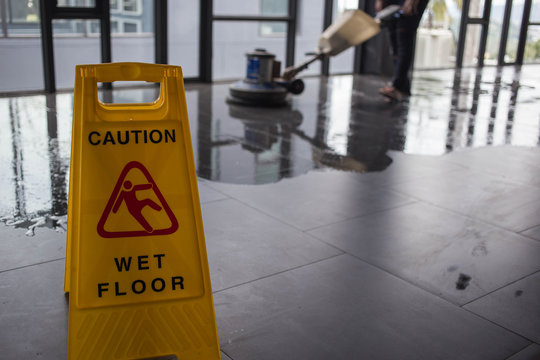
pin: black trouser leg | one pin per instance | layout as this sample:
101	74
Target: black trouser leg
405	36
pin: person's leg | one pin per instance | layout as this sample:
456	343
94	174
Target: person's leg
406	27
392	25
391	31
403	58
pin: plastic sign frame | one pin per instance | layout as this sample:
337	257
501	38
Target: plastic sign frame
136	263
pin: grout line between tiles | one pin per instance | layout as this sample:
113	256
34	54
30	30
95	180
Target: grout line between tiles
500	326
389	186
409	203
427	290
36	264
456	305
280	272
229	356
528	237
401	278
530	228
501	287
455	212
519	351
306	232
494	173
215	201
262	212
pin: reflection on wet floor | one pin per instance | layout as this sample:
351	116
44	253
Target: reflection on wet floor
338	122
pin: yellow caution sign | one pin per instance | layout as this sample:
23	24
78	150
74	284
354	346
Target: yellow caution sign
136	265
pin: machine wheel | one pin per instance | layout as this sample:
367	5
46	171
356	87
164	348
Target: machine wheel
296	86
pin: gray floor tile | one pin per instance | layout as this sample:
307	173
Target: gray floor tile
33	315
450	255
516	307
517	164
533	232
425	225
207	193
225	357
342	308
481	196
407	167
315	199
173	357
531	352
244	244
18	250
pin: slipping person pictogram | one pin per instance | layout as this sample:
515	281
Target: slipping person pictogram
134	205
128	192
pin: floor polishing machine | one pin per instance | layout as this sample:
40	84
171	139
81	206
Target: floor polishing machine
265	85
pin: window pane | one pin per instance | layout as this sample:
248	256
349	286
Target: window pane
132	6
76	3
274	7
476	8
273	29
22	66
472	43
435	48
23	11
309	29
494	33
343	62
183	22
1	21
438	32
343	5
135	23
235	7
229	61
516	16
130	27
535	11
69	27
23	17
93	27
532	46
132	17
71	48
115	5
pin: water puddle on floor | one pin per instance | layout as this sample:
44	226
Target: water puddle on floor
58	223
339	122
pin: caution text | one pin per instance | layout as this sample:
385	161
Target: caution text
124	137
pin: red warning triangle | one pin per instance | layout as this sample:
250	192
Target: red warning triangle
134	179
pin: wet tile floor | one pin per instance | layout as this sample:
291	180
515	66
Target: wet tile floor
338	227
338	122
